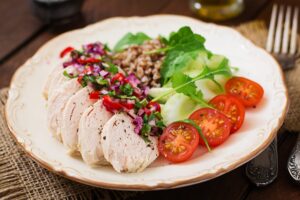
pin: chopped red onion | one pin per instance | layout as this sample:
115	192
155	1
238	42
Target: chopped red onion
103	91
152	123
103	73
141	112
133	80
138	122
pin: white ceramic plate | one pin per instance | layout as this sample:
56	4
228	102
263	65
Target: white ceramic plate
26	108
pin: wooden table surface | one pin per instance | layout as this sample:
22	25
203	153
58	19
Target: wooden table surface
21	34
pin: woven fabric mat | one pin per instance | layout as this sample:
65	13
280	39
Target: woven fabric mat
22	178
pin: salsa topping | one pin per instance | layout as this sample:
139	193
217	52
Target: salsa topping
119	92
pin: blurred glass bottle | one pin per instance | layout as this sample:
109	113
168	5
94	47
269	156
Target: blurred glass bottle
217	10
56	11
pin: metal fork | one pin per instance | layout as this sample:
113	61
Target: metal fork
282	44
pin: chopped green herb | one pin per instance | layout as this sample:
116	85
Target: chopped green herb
126	89
66	74
112	68
101	81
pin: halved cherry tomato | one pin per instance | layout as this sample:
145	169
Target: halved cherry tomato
232	108
95	95
118	77
249	92
214	125
66	51
110	104
178	142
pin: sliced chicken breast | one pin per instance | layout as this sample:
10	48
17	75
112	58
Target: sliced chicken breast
50	78
57	103
71	116
123	148
89	134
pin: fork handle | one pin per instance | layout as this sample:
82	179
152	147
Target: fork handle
293	165
263	169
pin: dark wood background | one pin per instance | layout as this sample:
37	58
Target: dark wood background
21	34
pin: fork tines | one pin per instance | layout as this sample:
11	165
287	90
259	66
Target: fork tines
285	30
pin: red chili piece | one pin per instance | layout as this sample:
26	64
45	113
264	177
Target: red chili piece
66	51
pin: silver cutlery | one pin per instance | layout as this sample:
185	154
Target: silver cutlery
282	44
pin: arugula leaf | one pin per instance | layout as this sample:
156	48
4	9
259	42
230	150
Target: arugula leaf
184	84
183	47
130	39
190	89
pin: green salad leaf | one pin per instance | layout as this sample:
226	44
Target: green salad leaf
130	39
182	83
189	90
183	46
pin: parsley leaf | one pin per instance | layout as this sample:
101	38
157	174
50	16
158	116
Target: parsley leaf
130	39
126	89
112	68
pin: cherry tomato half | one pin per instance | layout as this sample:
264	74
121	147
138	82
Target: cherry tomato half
232	108
178	142
249	92
214	125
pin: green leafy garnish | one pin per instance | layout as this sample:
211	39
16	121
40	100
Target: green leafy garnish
182	83
130	39
112	68
182	47
126	89
189	90
191	122
66	74
101	81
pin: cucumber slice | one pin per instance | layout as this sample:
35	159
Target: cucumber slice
216	61
196	66
178	107
156	92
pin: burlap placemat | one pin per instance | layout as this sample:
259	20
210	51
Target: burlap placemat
22	178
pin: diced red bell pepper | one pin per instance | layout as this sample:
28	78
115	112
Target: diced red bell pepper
128	106
110	104
118	77
88	60
88	70
154	106
66	51
95	95
79	79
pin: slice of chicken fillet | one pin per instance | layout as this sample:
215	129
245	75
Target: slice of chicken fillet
57	103
123	148
71	116
89	134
